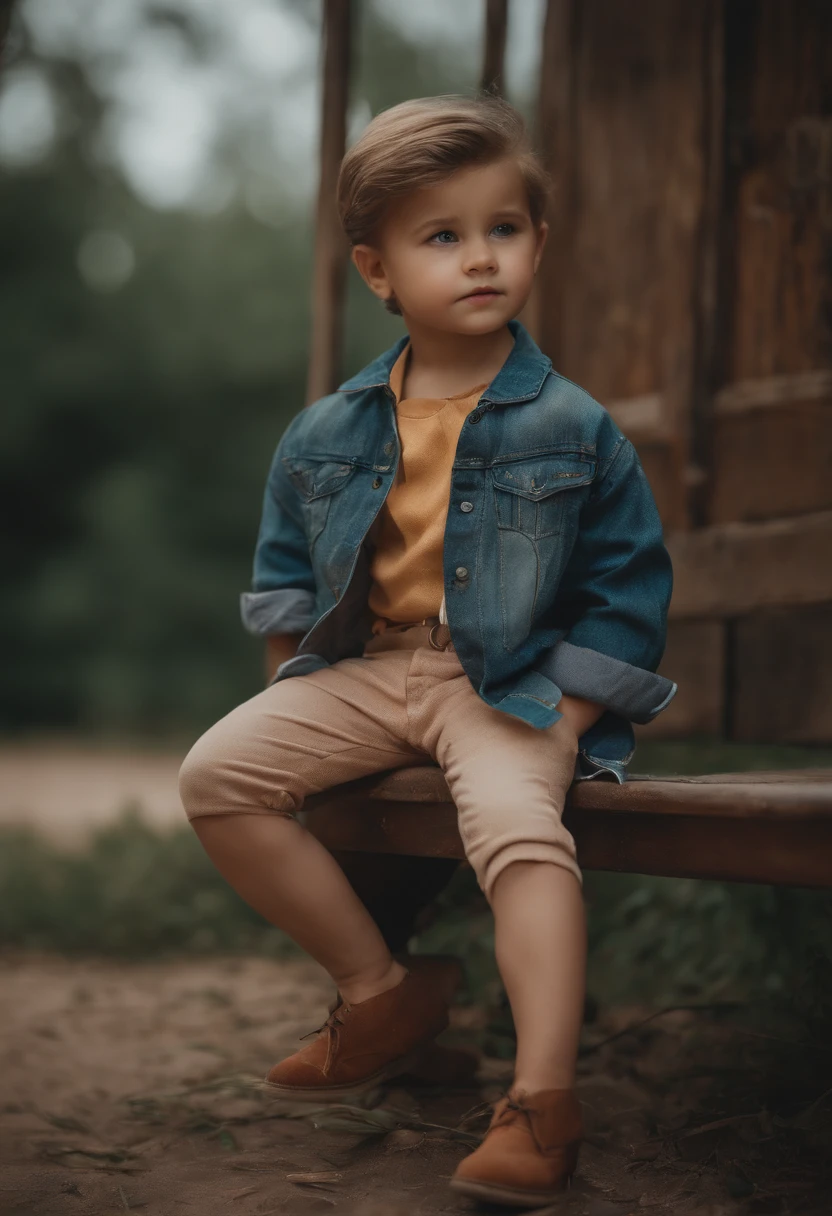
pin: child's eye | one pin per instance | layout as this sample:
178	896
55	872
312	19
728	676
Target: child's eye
436	236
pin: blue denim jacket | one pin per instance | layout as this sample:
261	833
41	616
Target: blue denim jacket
556	576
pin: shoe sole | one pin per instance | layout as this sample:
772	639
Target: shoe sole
305	1093
511	1195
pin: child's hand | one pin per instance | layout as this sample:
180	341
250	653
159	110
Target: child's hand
580	713
279	648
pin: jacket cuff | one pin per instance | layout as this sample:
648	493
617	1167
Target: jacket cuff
633	692
287	610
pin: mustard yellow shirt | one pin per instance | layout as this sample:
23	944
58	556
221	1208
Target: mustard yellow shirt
406	566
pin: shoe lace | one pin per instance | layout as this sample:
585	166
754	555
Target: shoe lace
333	1035
513	1106
520	1105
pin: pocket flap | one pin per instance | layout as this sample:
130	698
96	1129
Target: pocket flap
316	477
540	476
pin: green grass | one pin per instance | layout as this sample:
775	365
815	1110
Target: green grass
133	893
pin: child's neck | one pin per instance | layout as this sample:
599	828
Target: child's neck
443	364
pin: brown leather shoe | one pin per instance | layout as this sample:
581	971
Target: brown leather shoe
529	1153
359	1046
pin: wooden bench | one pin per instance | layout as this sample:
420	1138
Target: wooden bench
766	827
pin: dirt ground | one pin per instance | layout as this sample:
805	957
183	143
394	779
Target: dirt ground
137	1087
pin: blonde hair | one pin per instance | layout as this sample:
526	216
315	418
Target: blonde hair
420	143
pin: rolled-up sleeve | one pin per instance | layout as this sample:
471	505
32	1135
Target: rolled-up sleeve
616	593
282	599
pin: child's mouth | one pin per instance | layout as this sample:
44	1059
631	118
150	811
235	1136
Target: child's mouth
482	293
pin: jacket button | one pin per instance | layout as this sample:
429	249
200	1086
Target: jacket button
376	483
462	573
466	507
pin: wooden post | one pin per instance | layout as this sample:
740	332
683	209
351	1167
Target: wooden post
5	17
554	138
494	53
713	260
330	245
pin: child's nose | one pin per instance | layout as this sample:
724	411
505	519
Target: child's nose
481	255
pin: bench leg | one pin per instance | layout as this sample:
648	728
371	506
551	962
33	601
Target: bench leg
396	889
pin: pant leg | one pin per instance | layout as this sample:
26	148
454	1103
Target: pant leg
299	736
508	780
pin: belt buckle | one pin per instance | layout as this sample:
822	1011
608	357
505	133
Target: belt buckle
435	645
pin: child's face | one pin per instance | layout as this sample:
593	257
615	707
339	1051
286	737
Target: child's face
470	234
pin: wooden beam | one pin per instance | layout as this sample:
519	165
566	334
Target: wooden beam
744	827
329	273
735	569
494	49
642	419
774	391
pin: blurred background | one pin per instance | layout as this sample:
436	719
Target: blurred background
159	171
159	166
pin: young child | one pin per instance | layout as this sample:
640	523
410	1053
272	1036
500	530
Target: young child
459	560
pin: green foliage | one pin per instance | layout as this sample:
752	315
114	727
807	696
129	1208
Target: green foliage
695	756
682	939
133	892
138	428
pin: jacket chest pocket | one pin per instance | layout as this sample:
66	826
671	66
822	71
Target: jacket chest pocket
317	481
536	505
530	494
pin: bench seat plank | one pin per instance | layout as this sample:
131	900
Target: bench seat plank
744	827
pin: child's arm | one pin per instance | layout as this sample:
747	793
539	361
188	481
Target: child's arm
281	606
615	594
279	648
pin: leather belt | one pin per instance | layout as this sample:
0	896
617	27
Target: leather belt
435	625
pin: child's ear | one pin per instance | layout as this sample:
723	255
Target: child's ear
370	266
542	233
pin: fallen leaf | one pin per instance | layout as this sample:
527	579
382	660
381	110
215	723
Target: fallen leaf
321	1177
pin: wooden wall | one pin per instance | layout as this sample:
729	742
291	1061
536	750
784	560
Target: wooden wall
688	285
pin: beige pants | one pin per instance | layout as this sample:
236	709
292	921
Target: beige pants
402	703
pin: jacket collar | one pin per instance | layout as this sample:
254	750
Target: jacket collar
519	379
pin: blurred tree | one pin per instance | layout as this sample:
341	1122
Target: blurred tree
151	359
